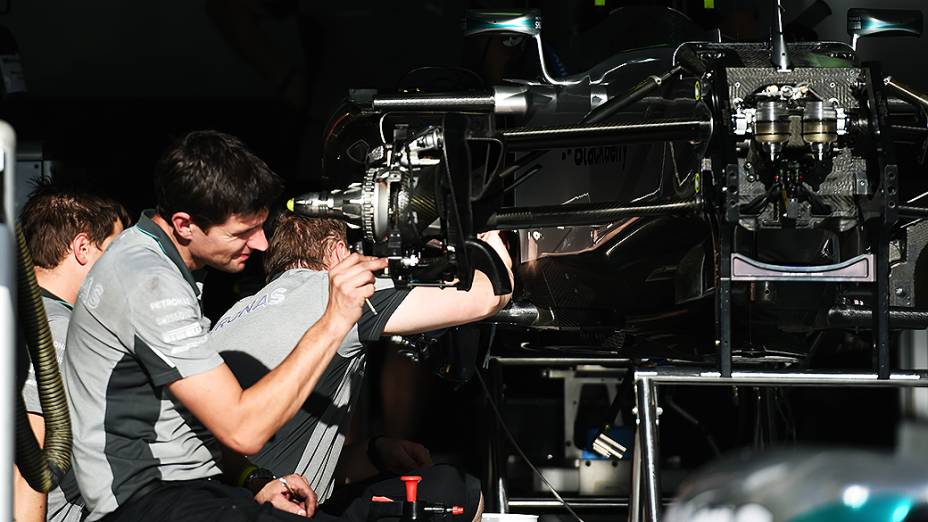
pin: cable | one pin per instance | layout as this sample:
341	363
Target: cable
523	178
758	425
787	423
524	161
512	440
668	399
486	359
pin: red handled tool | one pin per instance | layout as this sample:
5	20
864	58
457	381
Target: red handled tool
411	509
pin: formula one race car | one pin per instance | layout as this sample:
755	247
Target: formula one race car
698	199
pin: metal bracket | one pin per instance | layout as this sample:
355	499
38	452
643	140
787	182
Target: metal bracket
858	269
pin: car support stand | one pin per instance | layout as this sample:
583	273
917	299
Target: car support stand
648	496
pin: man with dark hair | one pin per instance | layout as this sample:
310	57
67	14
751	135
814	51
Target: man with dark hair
66	232
254	336
152	403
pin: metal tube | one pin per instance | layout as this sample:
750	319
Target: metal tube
503	99
609	108
483	102
503	497
898	106
517	313
634	498
647	429
907	93
912	212
780	57
899	317
911	129
783	378
723	317
498	463
562	361
515	218
580	502
670	129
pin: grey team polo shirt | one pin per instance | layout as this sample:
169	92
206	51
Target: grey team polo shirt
64	502
136	327
258	333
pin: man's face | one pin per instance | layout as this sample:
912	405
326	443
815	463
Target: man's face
228	245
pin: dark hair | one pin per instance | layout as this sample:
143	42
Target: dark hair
53	216
300	242
211	176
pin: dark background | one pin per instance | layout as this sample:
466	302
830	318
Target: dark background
111	83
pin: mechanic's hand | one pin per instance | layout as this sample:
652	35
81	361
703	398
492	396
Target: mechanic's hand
351	281
402	456
495	240
291	494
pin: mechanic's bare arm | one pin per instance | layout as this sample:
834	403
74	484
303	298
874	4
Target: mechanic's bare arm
427	309
28	504
244	420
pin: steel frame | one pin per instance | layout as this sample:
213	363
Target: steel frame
645	499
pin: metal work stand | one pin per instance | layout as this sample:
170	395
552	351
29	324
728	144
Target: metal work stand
606	367
646	498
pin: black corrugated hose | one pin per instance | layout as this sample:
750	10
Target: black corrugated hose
42	467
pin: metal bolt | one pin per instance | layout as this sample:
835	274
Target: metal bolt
536	235
901	292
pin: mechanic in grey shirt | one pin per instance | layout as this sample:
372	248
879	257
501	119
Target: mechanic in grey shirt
151	401
66	231
254	336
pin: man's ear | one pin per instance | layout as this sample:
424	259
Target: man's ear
182	223
334	253
80	247
340	251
